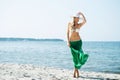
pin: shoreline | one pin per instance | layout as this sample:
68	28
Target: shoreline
11	71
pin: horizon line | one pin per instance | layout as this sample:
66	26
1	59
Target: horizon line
62	39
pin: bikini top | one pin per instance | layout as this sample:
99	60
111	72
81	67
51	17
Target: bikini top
75	30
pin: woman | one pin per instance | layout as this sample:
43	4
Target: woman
75	42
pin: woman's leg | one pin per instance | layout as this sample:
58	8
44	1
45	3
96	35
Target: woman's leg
76	73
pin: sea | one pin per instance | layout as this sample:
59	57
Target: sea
103	56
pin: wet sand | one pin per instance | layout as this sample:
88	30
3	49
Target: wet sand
10	71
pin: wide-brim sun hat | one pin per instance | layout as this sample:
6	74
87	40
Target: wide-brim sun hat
76	15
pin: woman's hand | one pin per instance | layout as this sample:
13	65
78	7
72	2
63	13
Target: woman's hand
68	43
79	13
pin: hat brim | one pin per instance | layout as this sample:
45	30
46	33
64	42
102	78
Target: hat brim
76	17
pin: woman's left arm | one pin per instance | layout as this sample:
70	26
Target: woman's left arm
84	19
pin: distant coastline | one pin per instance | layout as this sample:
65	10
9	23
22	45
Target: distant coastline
29	39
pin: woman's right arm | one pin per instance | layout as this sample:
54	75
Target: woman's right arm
68	41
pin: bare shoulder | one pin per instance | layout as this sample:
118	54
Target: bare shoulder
69	24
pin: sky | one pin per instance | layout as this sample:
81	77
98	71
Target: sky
49	18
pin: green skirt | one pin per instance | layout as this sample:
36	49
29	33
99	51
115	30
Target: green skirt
79	57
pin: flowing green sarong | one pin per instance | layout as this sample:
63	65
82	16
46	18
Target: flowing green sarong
79	57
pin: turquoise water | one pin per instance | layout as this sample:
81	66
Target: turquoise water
103	56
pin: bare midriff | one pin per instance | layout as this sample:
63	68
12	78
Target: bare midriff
74	36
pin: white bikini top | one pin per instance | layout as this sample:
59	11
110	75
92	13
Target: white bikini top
75	30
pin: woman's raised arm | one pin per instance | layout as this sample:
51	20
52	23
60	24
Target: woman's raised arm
84	19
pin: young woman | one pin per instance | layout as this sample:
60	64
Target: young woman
75	42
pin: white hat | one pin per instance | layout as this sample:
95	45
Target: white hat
76	15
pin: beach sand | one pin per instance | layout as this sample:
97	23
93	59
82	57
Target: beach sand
10	71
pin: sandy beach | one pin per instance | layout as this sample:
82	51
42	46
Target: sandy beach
10	71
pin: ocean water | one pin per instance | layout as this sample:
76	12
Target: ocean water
103	56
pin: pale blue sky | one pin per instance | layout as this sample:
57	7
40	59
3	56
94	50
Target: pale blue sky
49	18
